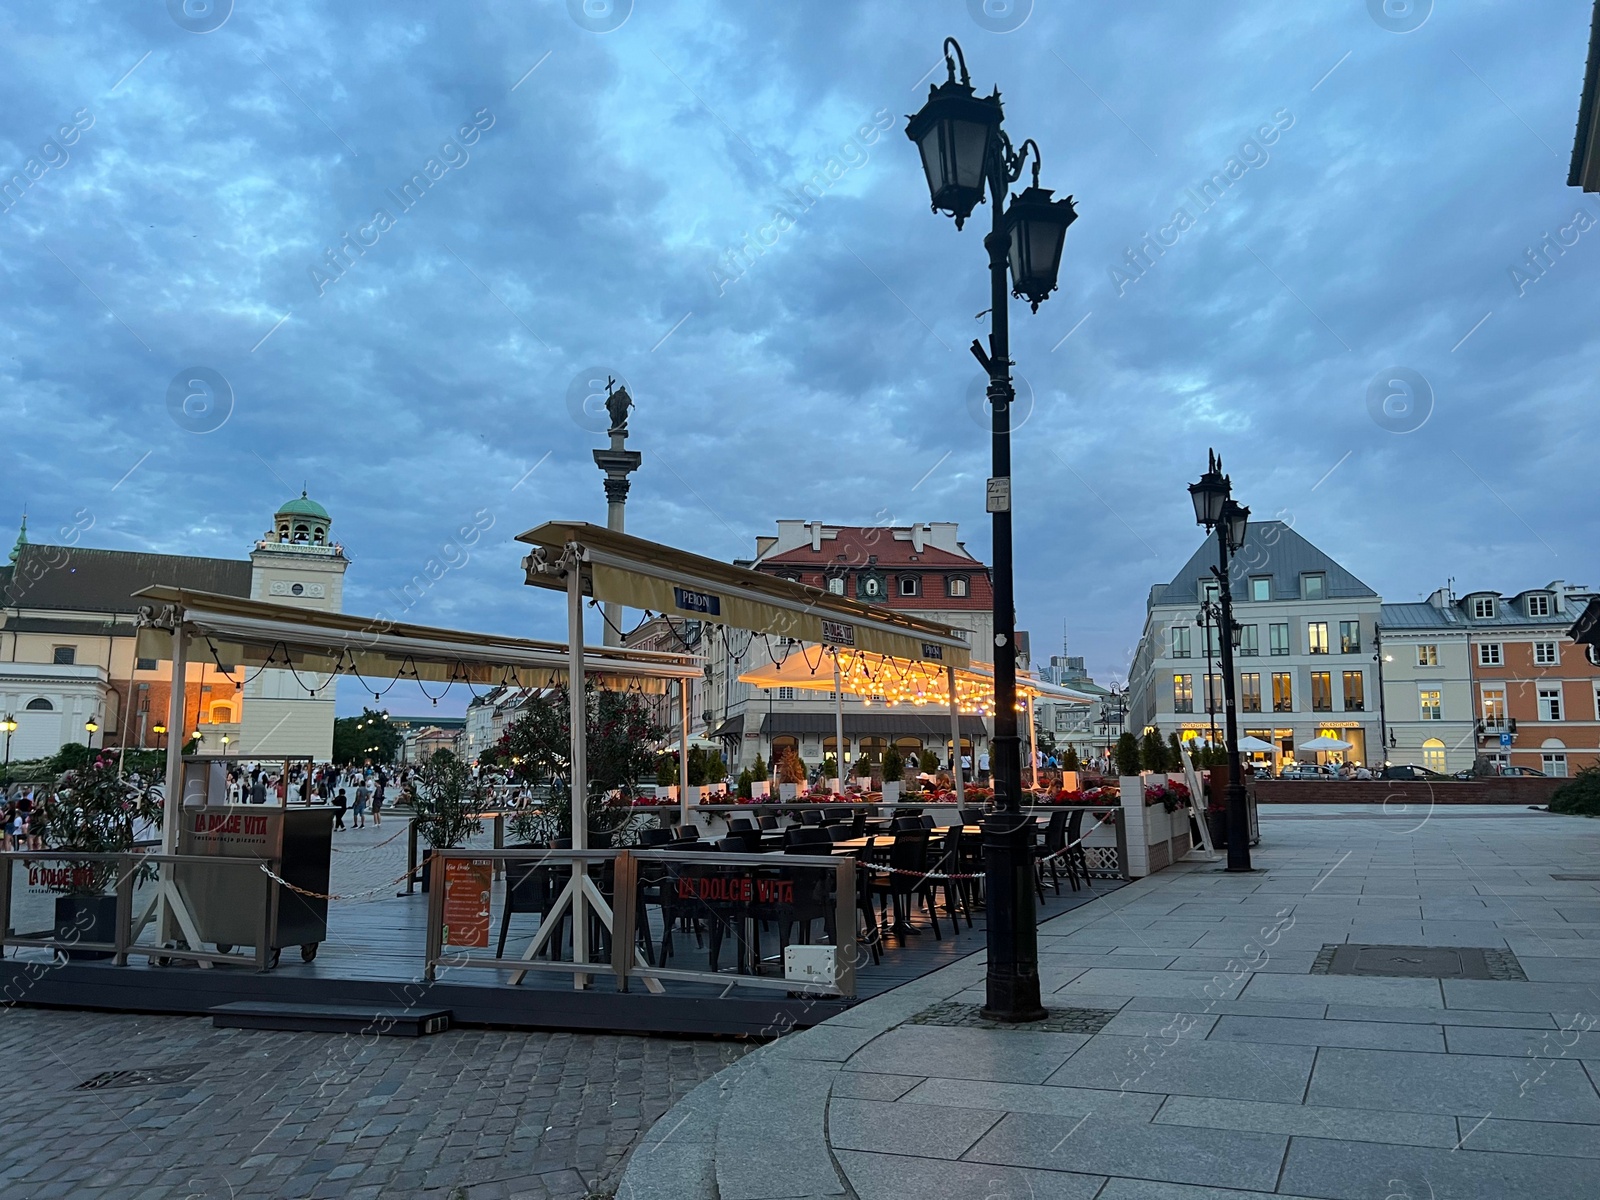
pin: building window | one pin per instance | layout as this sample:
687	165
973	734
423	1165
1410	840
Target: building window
1553	760
786	693
145	664
1213	641
1432	705
1483	607
1183	693
65	656
1489	654
1250	692
1428	655
1210	592
1433	755
1213	693
1538	606
1313	587
910	585
1544	654
1249	641
955	585
40	704
1349	637
1597	702
1316	637
1261	588
1321	691
1355	692
836	585
1494	708
1550	704
1180	641
1280	638
1282	692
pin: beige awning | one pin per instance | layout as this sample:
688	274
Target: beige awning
646	575
900	683
234	632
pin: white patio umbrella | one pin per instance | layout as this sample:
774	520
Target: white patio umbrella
1325	743
1257	744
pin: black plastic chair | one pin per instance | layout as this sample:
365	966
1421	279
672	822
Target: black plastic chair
649	839
1052	852
811	816
767	822
956	891
1077	861
839	833
909	825
972	816
927	821
907	877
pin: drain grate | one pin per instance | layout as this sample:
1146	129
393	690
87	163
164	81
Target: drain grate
1419	962
970	1016
138	1077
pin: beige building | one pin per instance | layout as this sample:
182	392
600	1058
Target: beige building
69	657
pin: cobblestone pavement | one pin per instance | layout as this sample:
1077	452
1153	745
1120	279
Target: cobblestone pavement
465	1115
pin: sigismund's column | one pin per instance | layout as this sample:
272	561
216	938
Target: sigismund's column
618	463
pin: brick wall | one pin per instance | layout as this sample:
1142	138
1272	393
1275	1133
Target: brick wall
1509	790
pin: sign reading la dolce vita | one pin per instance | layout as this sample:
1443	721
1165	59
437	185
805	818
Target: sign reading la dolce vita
282	587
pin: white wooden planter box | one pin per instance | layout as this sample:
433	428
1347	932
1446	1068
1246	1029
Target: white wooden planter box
759	789
788	791
1156	838
891	792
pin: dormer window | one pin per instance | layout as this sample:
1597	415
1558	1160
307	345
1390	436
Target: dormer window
1483	607
1313	587
910	585
955	585
1539	606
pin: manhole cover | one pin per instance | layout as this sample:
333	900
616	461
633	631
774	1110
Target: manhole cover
970	1016
138	1077
1419	962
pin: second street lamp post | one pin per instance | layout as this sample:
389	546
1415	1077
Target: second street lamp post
1215	508
9	725
964	153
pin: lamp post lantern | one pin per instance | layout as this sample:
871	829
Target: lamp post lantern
1216	509
161	733
9	726
966	153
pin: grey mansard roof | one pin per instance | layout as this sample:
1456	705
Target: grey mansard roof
1270	548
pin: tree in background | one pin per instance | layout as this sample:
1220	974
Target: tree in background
928	761
1069	760
619	732
1126	754
1174	753
371	736
1153	754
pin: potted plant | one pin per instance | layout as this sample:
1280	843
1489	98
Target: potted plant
830	774
864	773
445	799
94	810
760	780
791	774
894	769
667	776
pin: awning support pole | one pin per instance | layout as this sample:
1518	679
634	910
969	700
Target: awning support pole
166	906
838	719
578	717
1033	743
955	736
683	756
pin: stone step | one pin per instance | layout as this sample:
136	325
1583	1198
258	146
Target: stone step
331	1018
676	1156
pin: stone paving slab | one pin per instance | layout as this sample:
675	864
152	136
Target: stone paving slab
1362	1170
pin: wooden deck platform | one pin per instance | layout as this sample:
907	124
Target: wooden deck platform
374	952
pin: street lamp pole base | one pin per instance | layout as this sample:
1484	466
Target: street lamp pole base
1011	989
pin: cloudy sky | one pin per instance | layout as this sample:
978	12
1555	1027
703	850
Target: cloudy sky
187	175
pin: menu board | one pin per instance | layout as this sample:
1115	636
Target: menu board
467	888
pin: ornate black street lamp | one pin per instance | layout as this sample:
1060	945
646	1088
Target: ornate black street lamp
8	726
965	153
1215	508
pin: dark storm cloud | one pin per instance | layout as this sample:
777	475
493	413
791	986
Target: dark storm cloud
400	232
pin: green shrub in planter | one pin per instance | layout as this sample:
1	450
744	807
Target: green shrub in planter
863	766
1069	760
894	766
1579	797
745	781
928	761
1126	754
759	769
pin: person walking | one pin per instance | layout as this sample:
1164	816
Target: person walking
363	794
377	798
340	803
983	767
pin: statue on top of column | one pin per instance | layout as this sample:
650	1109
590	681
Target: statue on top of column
618	402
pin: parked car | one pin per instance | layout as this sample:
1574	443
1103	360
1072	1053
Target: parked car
1522	772
1308	771
1420	774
